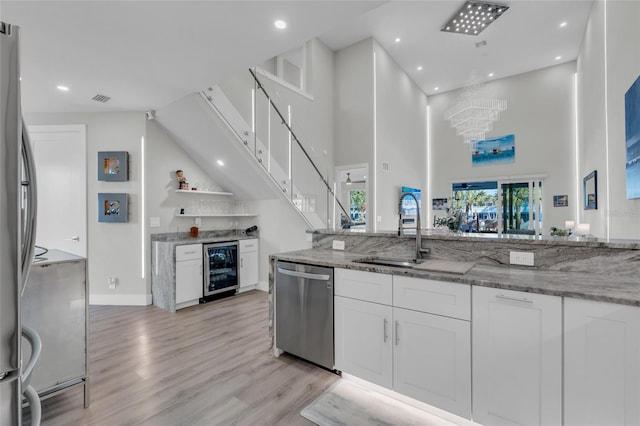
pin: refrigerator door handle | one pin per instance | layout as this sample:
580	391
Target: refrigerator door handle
29	241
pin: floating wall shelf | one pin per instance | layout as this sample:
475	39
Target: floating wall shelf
190	191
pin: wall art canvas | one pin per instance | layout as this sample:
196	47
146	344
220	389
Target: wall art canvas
494	151
112	207
560	201
113	166
440	204
632	136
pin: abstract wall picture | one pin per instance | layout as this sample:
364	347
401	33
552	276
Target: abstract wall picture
112	207
440	204
560	201
632	136
494	151
113	166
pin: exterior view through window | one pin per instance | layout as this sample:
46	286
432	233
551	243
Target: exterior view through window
510	207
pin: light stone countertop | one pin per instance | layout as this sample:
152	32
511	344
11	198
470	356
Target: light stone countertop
55	256
623	290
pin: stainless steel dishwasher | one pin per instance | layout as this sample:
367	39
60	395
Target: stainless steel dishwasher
304	312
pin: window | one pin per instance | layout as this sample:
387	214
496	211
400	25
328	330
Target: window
510	206
289	68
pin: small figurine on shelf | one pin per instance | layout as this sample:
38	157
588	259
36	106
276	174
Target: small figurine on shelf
182	180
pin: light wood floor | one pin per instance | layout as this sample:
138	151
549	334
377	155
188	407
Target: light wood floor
204	365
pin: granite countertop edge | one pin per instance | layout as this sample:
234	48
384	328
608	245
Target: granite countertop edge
54	256
623	290
494	239
202	239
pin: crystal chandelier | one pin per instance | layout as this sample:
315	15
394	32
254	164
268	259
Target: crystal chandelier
474	112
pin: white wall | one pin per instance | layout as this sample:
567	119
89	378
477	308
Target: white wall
540	114
281	230
592	117
114	249
380	116
401	137
164	157
353	107
608	63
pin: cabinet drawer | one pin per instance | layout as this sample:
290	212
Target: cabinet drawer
361	285
435	297
188	252
248	245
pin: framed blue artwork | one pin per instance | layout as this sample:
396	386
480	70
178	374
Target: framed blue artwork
494	151
113	166
632	137
112	207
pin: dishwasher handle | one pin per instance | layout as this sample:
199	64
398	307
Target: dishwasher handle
298	274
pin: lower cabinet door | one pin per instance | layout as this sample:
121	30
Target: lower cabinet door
248	269
189	282
363	340
601	363
432	360
517	358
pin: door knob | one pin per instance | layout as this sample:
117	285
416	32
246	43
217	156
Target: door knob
76	238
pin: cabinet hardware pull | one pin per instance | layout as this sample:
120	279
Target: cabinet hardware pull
242	262
189	252
513	299
397	336
385	330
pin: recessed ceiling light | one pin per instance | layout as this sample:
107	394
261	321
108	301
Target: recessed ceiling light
558	57
62	88
490	74
220	162
562	25
420	68
436	88
280	24
397	39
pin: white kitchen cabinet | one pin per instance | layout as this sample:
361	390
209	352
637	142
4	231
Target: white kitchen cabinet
363	340
432	360
601	363
248	264
189	283
382	337
517	358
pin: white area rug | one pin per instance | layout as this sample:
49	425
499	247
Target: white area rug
346	403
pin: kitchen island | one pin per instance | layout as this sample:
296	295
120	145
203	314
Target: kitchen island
519	332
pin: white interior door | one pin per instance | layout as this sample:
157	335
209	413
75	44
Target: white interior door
61	170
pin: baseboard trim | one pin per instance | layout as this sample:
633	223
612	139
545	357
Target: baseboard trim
120	299
262	286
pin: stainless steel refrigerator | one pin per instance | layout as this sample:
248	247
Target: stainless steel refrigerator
17	228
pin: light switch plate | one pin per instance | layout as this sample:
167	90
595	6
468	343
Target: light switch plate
521	258
154	222
338	245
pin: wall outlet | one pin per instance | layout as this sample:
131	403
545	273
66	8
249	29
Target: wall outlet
112	282
521	258
338	245
378	219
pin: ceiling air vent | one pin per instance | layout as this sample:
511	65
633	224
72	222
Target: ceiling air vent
100	98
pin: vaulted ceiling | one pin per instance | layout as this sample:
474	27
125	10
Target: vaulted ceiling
146	54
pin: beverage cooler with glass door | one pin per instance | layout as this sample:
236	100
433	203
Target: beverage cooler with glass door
221	272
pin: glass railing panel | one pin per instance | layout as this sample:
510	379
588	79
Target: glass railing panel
309	192
238	91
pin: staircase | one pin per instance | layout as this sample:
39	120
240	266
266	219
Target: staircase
263	160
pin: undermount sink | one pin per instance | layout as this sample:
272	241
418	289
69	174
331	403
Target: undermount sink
432	265
390	261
